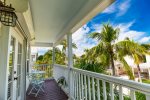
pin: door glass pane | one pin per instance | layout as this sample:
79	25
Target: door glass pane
19	69
11	68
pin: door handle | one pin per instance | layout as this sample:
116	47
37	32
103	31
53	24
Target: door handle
15	78
15	72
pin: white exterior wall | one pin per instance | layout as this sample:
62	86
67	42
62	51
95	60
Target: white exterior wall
129	60
148	58
4	54
59	71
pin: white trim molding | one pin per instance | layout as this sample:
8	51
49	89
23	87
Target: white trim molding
40	44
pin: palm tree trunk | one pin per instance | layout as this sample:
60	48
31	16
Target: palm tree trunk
112	64
133	71
139	73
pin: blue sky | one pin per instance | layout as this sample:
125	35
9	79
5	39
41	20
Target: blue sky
131	16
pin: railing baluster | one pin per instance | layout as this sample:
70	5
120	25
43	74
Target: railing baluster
120	93
73	80
85	86
93	88
82	87
98	90
75	83
104	90
89	87
132	93
111	91
147	96
77	97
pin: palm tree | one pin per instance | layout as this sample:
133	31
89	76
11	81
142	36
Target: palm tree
64	44
106	39
64	48
135	50
108	51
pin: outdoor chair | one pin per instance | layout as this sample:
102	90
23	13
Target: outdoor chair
37	84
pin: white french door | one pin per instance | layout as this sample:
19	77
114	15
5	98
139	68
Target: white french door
15	67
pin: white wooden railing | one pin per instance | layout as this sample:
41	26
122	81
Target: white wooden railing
44	67
86	85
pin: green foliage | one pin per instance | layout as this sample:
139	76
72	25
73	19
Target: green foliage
88	63
107	50
98	58
134	50
47	57
140	96
40	57
64	44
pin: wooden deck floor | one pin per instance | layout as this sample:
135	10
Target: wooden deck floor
52	92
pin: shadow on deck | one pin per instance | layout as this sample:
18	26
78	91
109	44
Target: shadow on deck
52	92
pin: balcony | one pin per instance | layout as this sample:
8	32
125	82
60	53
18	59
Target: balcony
47	26
86	85
52	92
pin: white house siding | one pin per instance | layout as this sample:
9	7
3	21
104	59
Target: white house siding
148	58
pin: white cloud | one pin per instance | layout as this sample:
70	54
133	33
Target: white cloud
125	31
144	39
97	27
120	8
82	41
110	9
39	50
80	33
80	37
123	7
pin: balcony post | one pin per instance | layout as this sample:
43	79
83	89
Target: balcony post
53	56
4	59
70	55
24	69
70	64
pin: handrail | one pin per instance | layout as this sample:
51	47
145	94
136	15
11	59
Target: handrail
61	66
42	64
124	82
44	67
143	87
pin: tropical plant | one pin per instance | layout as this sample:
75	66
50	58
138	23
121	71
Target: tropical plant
64	48
108	50
106	38
86	62
134	50
60	56
47	57
64	44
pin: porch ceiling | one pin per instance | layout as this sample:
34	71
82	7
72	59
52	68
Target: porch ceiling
20	6
52	19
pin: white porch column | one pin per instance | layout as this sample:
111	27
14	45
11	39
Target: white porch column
53	57
70	55
70	63
23	88
4	59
